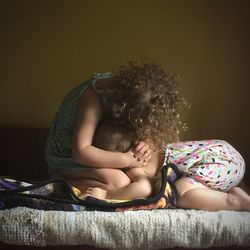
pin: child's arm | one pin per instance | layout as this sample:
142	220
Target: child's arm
89	114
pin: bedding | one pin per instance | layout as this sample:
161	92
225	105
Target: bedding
58	194
64	221
22	156
156	229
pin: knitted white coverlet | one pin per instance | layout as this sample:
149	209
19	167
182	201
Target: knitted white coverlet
166	228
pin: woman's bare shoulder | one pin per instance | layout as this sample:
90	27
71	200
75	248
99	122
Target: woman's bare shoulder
89	98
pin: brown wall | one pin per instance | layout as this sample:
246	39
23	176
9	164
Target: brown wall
47	47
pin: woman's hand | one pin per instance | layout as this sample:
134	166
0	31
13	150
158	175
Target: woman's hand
133	162
142	151
139	155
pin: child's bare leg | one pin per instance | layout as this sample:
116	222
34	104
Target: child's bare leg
84	184
107	179
140	186
242	196
190	196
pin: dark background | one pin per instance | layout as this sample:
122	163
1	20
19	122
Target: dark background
48	47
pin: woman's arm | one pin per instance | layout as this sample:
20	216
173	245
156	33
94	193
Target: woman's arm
90	111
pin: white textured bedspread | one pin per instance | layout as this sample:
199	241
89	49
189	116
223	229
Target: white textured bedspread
125	230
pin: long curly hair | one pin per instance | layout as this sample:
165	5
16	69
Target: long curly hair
145	99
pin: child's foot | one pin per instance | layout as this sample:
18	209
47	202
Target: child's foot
96	192
240	198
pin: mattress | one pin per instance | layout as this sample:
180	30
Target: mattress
149	229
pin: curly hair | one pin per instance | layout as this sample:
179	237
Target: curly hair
145	98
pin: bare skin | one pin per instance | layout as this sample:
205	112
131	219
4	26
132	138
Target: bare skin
90	112
207	199
190	196
107	166
130	184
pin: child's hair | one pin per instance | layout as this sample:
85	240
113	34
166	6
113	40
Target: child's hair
145	98
113	138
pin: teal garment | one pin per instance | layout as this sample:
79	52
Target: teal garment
58	149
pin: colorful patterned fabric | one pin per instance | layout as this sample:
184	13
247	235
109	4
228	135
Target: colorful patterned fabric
59	195
44	196
208	163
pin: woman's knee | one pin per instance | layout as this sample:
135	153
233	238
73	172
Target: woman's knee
116	179
111	178
146	187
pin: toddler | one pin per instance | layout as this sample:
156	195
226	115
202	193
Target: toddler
211	170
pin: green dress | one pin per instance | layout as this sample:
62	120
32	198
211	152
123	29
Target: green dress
58	148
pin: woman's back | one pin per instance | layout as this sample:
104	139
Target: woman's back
58	150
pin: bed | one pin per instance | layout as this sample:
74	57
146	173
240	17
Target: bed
22	157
